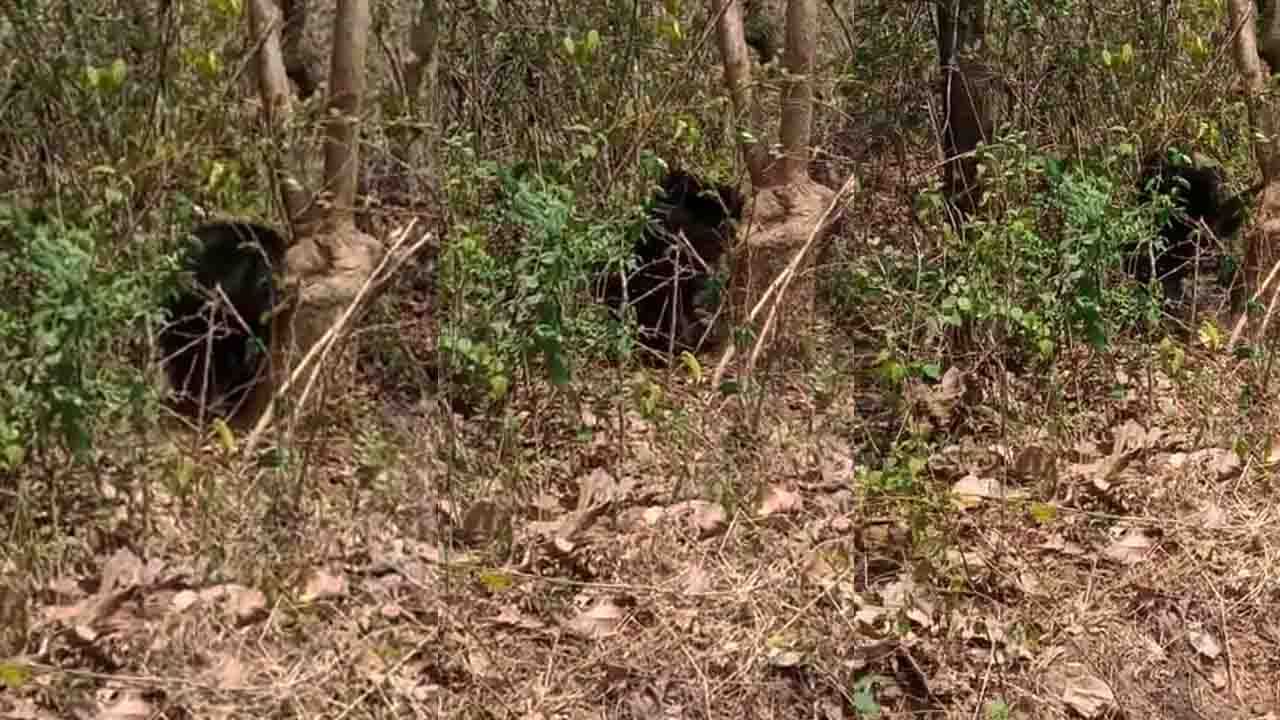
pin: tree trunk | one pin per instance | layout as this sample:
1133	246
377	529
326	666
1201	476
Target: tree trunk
329	261
1261	251
1269	45
299	60
420	84
277	101
789	210
968	116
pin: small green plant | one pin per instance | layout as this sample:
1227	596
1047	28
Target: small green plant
518	283
900	471
865	703
65	311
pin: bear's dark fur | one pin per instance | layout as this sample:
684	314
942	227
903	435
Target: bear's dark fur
676	258
240	258
1204	216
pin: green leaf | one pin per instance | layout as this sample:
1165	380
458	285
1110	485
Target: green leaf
1043	513
692	365
14	676
496	581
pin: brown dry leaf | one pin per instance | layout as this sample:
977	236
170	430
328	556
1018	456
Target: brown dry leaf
324	585
1057	543
784	658
245	605
696	580
122	570
229	673
777	499
1224	464
943	397
835	461
820	571
1085	693
639	518
970	490
514	618
184	600
1204	643
480	665
707	518
603	618
1209	516
870	615
1131	548
903	594
598	488
1128	439
564	532
95	614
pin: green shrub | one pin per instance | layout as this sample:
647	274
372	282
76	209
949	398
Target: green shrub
518	281
60	327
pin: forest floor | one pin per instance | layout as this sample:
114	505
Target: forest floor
665	552
1098	540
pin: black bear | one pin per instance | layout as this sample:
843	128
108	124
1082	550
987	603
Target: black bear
238	257
1203	217
676	256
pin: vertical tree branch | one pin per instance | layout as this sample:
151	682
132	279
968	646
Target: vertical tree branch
797	94
737	76
277	103
346	91
424	43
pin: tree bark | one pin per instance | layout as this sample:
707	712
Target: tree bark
1270	31
277	102
422	69
797	92
968	117
789	207
329	261
299	60
737	77
1261	251
347	81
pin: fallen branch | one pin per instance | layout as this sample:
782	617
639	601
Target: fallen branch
778	288
319	352
1240	323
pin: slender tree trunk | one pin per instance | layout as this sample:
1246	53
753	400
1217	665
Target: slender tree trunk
277	101
299	60
737	76
329	261
418	103
773	285
347	80
1261	251
968	117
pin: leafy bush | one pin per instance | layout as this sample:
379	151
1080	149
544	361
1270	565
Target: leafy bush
62	318
1039	269
518	282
